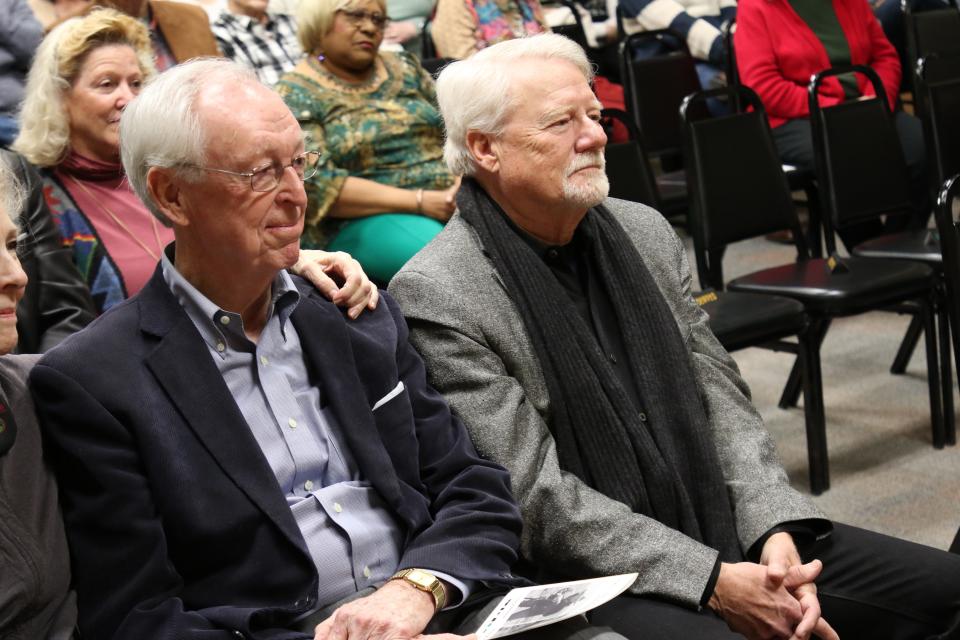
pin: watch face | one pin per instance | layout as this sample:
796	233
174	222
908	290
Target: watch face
421	578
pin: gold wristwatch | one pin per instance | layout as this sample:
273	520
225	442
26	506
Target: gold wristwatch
424	581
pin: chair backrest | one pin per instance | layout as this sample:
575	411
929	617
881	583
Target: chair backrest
935	30
861	169
947	214
434	66
655	86
573	31
938	101
428	49
628	167
730	64
737	186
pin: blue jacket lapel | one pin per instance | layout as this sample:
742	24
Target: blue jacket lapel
326	343
192	381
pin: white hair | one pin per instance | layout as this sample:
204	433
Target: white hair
475	94
161	127
13	195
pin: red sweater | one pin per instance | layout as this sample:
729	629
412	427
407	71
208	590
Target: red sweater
777	53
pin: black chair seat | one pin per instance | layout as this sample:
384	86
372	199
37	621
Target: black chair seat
922	245
867	284
742	320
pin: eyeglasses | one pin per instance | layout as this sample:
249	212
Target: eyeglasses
356	17
268	177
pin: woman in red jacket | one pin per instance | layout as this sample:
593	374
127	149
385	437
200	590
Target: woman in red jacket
780	44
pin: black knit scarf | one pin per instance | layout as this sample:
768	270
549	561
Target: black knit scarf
664	466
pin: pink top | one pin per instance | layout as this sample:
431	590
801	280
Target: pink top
132	237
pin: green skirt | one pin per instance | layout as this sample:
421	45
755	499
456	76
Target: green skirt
383	243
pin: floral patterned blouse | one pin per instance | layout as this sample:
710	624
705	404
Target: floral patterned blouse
388	130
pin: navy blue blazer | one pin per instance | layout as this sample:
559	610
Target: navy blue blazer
177	526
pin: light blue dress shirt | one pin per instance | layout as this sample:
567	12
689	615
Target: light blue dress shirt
352	535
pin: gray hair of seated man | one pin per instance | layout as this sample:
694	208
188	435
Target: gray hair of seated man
161	126
475	94
13	195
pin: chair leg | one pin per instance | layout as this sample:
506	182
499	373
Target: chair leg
809	357
909	343
815	225
946	371
794	384
933	373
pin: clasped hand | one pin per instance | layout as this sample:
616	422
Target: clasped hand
395	611
774	599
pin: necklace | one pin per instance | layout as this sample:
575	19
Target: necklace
120	223
316	63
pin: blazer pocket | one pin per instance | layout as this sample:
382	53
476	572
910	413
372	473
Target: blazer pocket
397	390
393	415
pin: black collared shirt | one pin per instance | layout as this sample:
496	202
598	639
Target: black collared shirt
575	268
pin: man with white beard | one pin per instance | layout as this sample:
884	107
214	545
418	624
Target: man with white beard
559	325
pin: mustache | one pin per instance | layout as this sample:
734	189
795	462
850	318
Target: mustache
586	159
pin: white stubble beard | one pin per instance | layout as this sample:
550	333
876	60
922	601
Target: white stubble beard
595	190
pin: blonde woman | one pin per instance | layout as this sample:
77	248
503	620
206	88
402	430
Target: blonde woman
86	71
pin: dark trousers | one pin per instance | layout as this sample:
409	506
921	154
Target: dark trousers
872	586
794	142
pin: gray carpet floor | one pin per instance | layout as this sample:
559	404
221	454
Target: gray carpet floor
885	474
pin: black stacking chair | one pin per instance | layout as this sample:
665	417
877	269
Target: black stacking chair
739	191
653	89
930	31
947	212
575	31
428	49
937	102
937	98
633	178
862	176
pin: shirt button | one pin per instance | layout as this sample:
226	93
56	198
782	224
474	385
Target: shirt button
308	485
221	347
613	358
642	416
292	423
264	361
366	572
224	319
337	507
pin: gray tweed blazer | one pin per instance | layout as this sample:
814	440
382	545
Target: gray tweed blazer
479	356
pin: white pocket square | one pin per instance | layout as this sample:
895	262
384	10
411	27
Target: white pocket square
397	390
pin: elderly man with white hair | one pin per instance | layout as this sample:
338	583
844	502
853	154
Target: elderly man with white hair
237	458
560	326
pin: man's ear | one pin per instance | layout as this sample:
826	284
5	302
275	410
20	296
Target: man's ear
484	150
165	189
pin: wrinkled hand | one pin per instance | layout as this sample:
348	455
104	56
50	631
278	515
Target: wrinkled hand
440	205
356	292
783	563
395	611
754	604
399	31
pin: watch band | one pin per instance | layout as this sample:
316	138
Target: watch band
424	581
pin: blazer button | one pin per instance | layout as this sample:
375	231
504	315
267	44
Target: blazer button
238	634
301	603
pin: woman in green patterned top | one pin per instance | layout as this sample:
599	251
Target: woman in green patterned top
383	190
